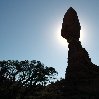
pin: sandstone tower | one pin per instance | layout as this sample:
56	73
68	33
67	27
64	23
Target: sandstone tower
81	73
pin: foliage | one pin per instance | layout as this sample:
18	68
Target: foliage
26	73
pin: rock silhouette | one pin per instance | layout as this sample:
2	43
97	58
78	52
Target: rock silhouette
82	76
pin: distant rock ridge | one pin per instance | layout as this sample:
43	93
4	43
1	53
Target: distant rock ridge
81	73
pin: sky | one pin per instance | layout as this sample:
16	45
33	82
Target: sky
30	30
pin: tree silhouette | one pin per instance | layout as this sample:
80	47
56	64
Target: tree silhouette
26	73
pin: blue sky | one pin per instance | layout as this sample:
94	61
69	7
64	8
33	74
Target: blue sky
29	30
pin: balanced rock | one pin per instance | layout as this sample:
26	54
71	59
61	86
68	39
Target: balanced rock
82	76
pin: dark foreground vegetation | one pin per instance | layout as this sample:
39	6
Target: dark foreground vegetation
26	80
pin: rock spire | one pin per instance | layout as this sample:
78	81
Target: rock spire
70	26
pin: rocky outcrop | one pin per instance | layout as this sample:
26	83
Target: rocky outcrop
82	76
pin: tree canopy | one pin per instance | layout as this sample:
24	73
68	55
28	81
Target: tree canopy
26	73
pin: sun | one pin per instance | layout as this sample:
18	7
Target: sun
82	34
63	41
60	39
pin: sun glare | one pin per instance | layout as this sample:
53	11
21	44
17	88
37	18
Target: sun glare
61	40
82	34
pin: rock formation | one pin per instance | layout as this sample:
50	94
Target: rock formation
82	76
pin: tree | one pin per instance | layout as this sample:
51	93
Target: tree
26	73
